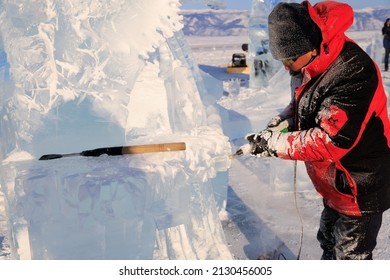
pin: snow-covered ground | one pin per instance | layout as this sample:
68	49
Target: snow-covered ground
262	214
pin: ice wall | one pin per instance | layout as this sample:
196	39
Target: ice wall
80	75
262	65
375	49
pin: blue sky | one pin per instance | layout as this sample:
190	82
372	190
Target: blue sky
246	4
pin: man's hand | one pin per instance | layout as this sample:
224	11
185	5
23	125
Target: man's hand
258	144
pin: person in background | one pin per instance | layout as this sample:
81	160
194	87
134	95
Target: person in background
386	42
337	123
245	47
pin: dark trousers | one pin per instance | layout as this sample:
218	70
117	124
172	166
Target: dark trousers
347	238
387	52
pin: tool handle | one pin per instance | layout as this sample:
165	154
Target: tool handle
122	150
151	148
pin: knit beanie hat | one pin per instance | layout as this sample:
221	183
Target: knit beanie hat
292	32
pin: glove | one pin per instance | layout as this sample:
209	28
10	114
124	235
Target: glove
258	144
279	124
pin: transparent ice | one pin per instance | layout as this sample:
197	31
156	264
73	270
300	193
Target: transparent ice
79	75
262	65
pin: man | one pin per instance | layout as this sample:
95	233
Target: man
386	42
337	120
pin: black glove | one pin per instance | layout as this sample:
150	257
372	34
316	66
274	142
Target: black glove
258	144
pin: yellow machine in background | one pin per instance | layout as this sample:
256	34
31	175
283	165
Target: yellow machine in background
238	64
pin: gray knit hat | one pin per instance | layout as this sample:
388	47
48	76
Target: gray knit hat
292	32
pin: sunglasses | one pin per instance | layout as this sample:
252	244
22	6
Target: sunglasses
289	62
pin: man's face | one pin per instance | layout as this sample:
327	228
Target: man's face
295	65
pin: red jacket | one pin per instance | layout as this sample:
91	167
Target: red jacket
343	127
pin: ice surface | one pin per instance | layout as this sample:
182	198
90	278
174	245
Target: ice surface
263	66
112	208
80	75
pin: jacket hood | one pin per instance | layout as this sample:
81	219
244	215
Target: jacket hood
333	19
